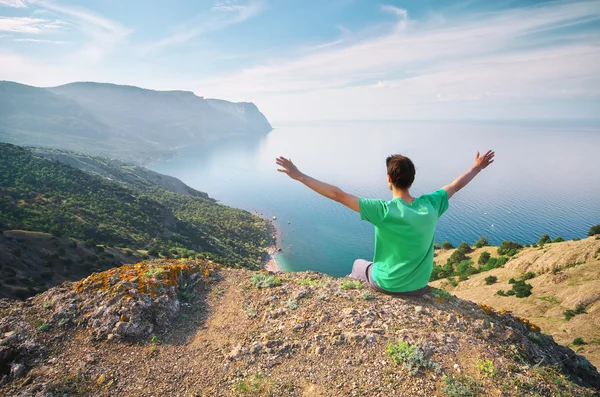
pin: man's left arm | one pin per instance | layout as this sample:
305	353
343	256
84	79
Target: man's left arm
331	192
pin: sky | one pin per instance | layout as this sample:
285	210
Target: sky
323	59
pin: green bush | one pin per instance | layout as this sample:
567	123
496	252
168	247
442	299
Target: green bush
482	242
351	284
483	258
466	268
509	248
411	357
465	247
457	256
453	281
262	280
461	387
528	276
500	292
594	230
501	262
544	239
522	289
489	280
569	314
447	246
579	342
436	246
510	292
558	240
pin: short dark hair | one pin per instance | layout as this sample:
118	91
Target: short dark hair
401	171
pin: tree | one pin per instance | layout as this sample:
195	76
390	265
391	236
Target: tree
509	248
558	240
522	289
483	258
594	230
489	280
464	246
447	245
544	239
482	242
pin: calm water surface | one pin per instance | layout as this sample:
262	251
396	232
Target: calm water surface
545	180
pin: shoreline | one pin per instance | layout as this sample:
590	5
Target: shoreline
270	262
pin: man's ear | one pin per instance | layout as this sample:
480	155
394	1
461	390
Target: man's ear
389	178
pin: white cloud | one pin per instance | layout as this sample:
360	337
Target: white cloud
224	14
26	25
488	57
28	40
13	3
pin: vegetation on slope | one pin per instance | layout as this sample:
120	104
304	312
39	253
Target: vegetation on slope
185	327
38	194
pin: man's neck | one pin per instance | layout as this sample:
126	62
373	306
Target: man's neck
403	194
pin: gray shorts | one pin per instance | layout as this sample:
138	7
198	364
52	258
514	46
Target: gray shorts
361	270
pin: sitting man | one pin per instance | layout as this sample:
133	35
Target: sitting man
404	226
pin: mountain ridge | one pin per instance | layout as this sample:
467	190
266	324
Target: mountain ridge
124	122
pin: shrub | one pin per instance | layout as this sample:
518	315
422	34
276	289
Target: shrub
594	230
491	264
462	277
457	256
453	281
464	246
153	252
466	268
482	242
576	239
522	289
489	280
510	292
447	246
509	248
292	304
500	292
486	367
461	387
411	357
558	240
569	314
436	246
483	258
368	296
528	276
351	284
512	280
579	342
501	262
544	239
262	280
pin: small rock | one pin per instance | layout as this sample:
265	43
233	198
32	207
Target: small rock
419	309
319	350
457	368
17	370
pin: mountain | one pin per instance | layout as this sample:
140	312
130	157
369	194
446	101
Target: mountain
116	204
564	276
194	328
124	122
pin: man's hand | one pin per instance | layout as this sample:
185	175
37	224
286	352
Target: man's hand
324	189
289	168
481	162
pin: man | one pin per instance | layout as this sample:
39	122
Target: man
404	226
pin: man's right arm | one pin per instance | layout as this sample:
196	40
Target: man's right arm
481	162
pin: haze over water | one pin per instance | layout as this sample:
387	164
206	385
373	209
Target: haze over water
545	180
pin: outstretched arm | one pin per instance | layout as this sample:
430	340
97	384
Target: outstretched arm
481	162
324	189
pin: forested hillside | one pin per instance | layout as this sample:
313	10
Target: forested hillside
39	194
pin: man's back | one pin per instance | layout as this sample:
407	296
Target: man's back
404	236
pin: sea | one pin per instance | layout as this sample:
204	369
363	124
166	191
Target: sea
545	180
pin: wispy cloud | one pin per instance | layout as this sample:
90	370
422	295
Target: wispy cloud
28	40
13	3
223	14
27	25
485	56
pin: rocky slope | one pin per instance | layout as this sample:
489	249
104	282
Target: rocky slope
191	328
566	275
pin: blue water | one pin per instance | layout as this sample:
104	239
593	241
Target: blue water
546	179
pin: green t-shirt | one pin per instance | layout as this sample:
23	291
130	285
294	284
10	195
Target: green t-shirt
404	234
